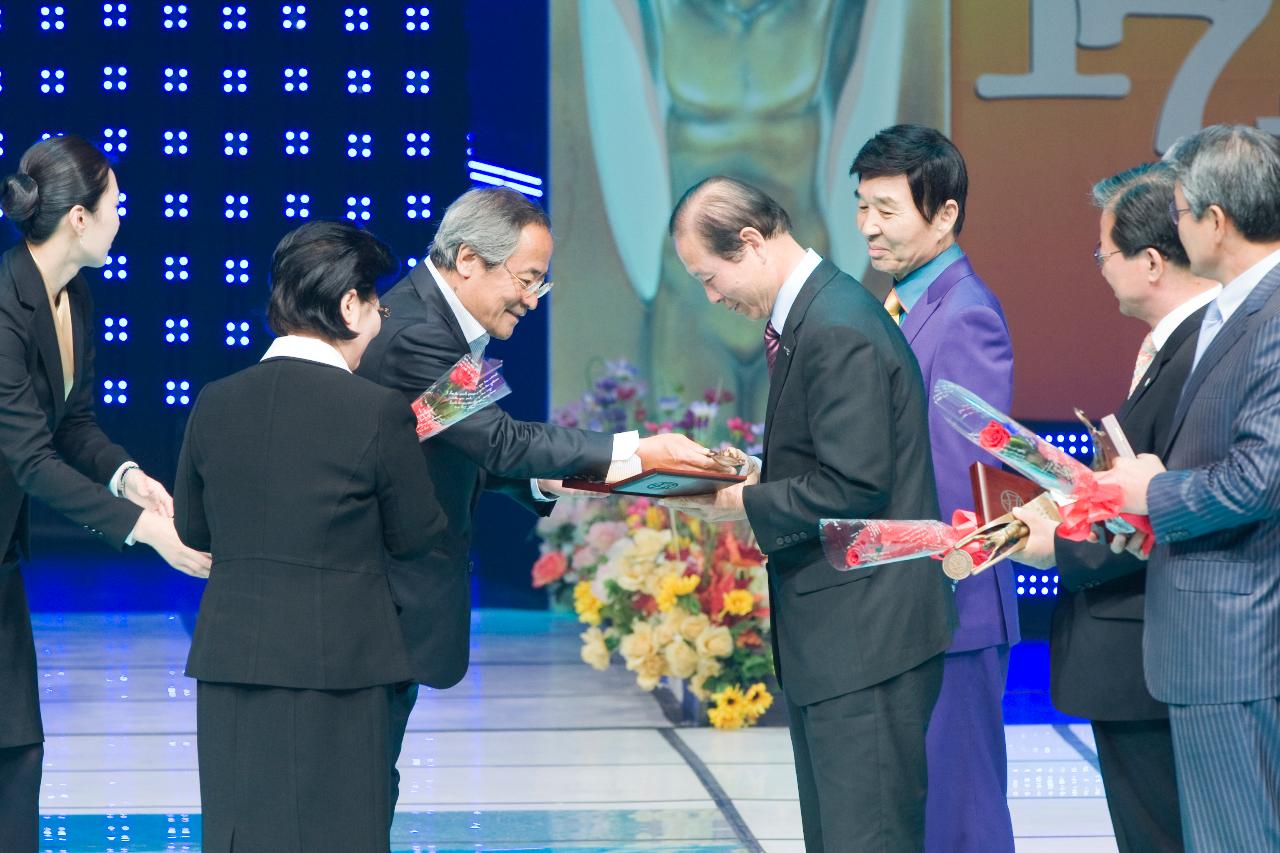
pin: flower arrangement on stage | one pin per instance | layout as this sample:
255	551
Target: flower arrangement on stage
671	596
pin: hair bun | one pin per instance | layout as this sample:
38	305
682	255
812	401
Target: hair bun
20	197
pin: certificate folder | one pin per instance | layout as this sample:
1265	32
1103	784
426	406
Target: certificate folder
996	492
661	483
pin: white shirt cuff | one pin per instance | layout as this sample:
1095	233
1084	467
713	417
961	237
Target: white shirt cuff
623	469
114	484
538	494
625	445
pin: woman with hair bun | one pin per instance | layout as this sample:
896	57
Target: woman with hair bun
63	201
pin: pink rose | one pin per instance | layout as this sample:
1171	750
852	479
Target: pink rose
466	375
549	567
603	534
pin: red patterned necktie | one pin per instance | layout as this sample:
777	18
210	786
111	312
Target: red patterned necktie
772	340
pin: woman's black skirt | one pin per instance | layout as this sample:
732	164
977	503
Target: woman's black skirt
19	694
294	771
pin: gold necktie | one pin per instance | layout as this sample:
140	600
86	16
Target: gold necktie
894	306
61	308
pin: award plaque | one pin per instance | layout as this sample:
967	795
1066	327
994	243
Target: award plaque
661	483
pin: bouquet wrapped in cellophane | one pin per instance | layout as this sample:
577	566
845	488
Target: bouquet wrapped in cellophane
1084	500
471	384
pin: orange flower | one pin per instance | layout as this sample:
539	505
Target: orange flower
549	567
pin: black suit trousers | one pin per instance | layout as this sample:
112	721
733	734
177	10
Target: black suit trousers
1136	760
860	764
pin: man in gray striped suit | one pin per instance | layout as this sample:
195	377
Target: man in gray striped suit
1212	643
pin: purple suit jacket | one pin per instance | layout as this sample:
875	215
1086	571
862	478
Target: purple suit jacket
958	332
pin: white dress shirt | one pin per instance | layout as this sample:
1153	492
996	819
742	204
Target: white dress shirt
791	289
625	462
1171	321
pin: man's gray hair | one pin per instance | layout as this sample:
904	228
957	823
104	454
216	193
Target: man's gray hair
1236	167
489	220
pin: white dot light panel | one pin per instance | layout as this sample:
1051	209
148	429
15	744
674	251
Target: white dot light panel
229	124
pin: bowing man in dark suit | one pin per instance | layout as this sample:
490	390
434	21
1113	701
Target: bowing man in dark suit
1212	643
1095	641
303	480
486	269
858	654
912	188
63	200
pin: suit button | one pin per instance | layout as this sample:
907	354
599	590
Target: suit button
780	540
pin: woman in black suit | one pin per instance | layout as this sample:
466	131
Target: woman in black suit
63	201
304	481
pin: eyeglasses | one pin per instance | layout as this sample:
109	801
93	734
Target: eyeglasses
1175	212
536	289
1100	257
384	311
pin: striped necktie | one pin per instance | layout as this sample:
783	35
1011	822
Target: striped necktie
772	340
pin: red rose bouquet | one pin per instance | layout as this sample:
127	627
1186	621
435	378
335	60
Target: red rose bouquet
466	388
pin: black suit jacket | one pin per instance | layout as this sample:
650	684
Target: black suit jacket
489	450
302	481
53	448
1095	638
846	436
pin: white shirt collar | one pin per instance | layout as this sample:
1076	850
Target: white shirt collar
1237	291
791	288
477	337
1171	321
307	349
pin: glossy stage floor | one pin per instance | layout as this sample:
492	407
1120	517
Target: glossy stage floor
533	751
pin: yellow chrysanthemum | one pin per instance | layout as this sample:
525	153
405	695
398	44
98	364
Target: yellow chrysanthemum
739	602
655	518
726	718
585	603
672	586
756	701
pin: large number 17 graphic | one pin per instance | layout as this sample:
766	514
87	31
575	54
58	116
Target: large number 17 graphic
1100	24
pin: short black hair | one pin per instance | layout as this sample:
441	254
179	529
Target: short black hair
53	176
1139	199
933	165
313	267
721	207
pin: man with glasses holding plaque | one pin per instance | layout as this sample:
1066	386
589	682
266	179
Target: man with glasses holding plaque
1095	642
486	270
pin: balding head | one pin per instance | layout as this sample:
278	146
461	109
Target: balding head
718	209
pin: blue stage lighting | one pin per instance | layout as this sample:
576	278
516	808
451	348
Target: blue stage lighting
358	144
297	205
177	392
175	16
115	392
115	329
358	208
293	17
115	14
359	81
415	18
175	204
116	268
235	18
235	144
115	140
235	80
236	206
175	143
52	18
1	81
295	80
237	271
175	79
297	143
237	334
51	80
417	144
176	330
113	78
357	19
416	206
176	268
415	82
1	144
121	210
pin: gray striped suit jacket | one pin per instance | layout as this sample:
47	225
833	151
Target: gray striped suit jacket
1213	588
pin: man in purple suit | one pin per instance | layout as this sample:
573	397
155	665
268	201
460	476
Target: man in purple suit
911	196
